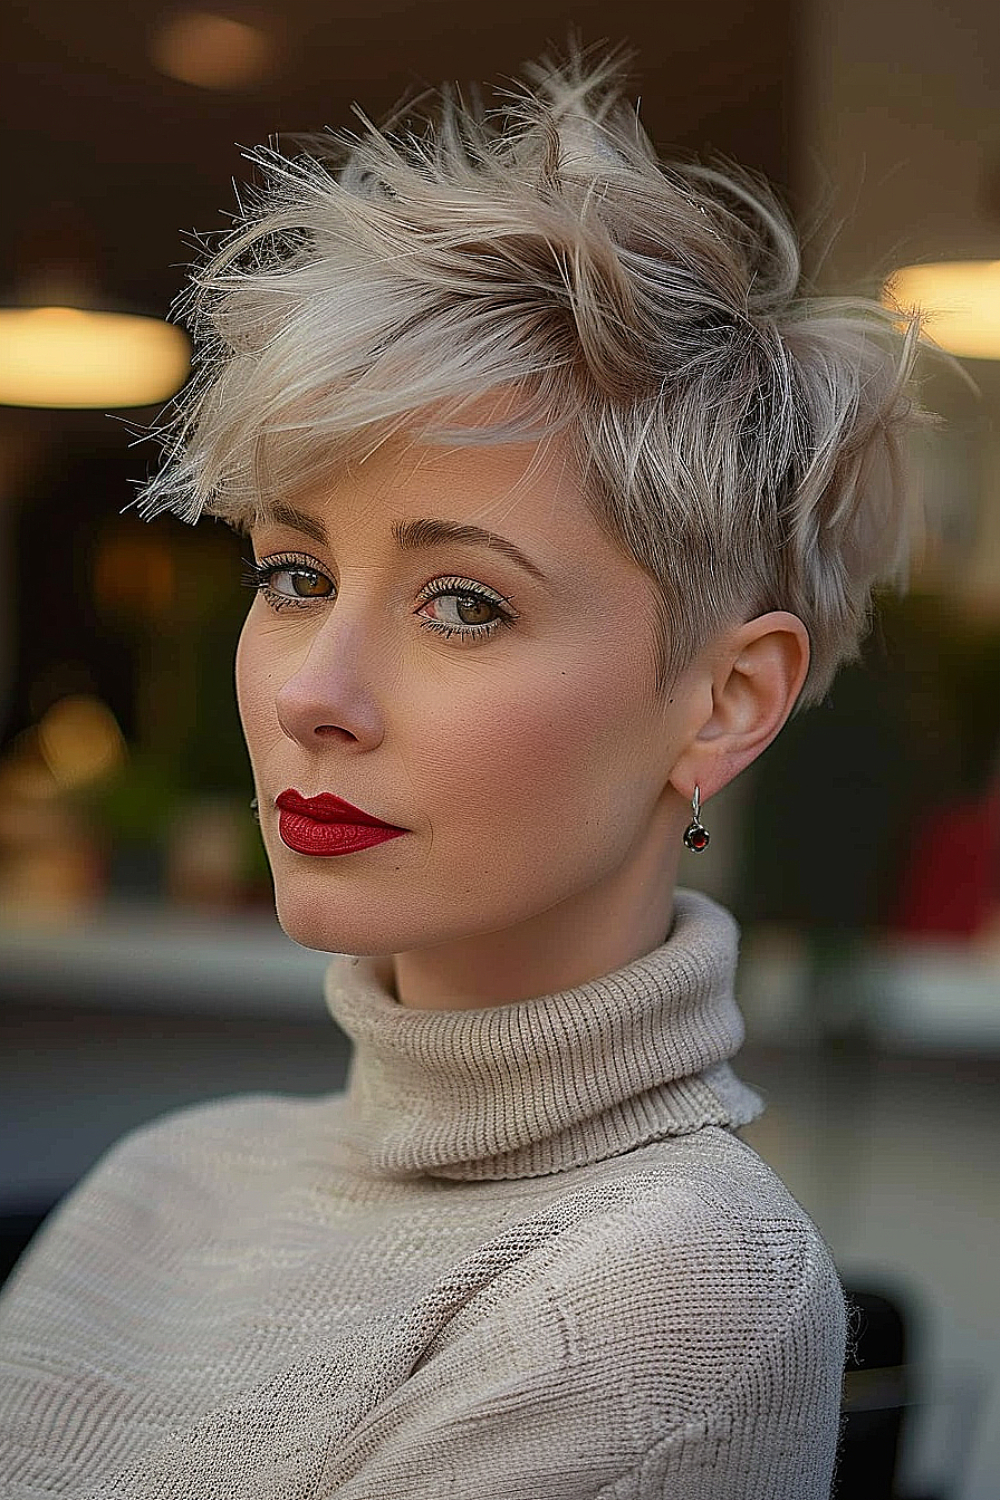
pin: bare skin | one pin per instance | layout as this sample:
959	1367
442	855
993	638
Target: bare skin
545	790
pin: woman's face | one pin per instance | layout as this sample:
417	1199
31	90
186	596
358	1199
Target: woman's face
523	752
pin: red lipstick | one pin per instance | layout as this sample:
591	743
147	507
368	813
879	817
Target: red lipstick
328	825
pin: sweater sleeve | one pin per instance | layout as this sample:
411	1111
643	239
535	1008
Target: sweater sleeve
650	1354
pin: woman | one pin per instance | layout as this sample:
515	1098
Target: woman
561	502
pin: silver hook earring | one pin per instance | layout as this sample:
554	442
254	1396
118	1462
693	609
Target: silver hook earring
695	836
253	809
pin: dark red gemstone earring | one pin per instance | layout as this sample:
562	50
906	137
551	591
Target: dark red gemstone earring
695	836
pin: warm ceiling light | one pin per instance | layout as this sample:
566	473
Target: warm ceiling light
212	52
960	300
67	357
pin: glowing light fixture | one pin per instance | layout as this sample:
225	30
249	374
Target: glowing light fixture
71	357
961	300
210	51
80	740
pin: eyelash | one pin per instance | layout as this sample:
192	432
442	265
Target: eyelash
257	576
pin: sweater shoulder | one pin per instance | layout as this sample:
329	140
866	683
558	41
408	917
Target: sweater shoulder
706	1224
230	1119
205	1138
691	1247
179	1165
714	1180
696	1195
702	1296
710	1177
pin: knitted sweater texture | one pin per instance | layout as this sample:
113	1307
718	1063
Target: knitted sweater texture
523	1256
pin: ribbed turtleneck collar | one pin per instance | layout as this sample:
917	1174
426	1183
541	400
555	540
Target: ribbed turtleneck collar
554	1082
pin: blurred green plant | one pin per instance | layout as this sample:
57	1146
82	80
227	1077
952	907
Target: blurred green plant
137	804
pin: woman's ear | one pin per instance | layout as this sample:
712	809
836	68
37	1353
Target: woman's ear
756	671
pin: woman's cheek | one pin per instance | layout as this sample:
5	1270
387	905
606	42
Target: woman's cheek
244	679
525	748
261	665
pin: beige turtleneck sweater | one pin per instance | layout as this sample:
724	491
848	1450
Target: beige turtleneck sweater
522	1257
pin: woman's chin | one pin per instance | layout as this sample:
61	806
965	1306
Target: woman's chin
327	930
312	929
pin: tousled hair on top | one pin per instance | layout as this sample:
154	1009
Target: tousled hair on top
741	441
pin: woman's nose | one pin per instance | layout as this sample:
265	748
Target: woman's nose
331	689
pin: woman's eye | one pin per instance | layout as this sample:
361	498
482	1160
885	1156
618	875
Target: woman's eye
466	610
455	611
304	582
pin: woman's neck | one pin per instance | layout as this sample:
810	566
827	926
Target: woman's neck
593	932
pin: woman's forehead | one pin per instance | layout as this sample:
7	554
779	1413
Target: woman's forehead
475	483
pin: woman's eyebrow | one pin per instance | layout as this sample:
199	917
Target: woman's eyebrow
411	535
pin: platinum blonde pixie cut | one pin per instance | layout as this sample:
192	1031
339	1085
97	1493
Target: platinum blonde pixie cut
742	442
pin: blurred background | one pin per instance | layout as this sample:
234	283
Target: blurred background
142	965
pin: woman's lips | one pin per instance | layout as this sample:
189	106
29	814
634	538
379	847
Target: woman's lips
328	825
308	836
326	808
